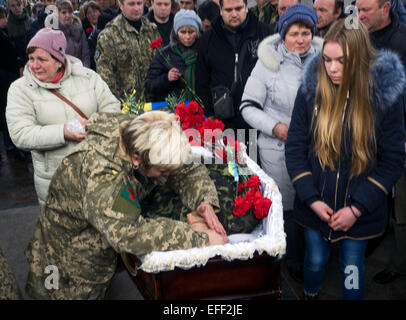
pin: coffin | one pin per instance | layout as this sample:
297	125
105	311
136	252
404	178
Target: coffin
246	268
256	278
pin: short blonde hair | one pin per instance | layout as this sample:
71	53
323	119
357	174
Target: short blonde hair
190	28
158	139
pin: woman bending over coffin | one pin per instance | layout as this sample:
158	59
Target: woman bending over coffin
93	212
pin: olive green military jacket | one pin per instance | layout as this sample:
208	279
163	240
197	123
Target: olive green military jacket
268	14
92	212
123	55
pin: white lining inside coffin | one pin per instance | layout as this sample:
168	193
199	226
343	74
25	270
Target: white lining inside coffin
268	237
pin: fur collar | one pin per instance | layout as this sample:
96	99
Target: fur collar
73	30
267	50
388	74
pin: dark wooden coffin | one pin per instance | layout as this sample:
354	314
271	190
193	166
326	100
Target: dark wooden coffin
256	278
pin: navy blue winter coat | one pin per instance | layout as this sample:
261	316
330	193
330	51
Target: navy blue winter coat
157	84
368	192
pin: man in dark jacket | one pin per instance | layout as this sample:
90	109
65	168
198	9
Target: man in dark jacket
161	15
387	32
226	56
10	64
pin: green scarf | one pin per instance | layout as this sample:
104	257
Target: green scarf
189	57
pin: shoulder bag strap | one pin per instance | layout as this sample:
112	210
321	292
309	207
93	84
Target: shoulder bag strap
60	96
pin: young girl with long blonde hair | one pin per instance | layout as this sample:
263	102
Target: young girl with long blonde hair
344	152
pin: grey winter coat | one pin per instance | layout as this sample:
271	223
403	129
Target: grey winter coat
268	99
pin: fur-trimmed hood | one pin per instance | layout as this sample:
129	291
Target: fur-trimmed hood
270	56
388	74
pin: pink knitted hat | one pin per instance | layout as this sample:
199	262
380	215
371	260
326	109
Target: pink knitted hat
52	41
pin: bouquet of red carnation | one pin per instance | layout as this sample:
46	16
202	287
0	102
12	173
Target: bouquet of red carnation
252	199
207	132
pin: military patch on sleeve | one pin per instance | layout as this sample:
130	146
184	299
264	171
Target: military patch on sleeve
127	203
96	54
128	193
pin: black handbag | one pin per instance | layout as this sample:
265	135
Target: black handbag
223	103
222	96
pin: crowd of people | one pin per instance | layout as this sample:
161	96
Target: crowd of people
322	84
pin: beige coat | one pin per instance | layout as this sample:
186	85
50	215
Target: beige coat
36	117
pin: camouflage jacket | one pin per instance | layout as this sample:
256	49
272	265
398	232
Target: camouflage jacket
123	55
92	212
9	289
269	14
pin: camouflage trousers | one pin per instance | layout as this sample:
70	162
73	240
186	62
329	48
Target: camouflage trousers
163	202
9	289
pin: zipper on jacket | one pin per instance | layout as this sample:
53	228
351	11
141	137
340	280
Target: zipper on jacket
346	192
338	172
322	190
335	196
236	68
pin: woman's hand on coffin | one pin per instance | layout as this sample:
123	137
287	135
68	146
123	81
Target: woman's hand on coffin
206	211
323	211
216	238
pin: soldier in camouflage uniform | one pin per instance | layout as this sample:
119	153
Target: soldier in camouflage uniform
268	12
93	212
9	289
123	54
163	202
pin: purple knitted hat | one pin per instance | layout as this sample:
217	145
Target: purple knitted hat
52	41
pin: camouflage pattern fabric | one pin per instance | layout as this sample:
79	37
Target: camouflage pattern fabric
269	14
162	202
9	289
92	212
123	55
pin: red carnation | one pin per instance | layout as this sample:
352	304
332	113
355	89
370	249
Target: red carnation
253	183
217	124
182	112
211	129
252	196
89	30
240	206
261	208
195	108
241	187
156	43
